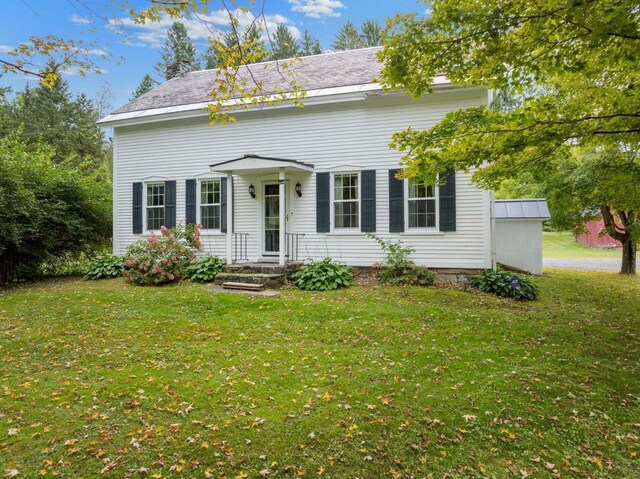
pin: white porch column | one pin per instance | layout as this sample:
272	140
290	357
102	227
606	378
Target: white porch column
283	220
229	217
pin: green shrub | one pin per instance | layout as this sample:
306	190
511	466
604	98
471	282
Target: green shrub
411	275
397	268
162	259
50	213
497	282
107	266
205	269
323	275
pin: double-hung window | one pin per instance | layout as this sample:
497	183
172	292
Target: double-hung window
346	200
210	204
422	205
155	206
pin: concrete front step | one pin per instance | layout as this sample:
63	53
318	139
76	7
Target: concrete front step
243	286
257	268
263	268
267	280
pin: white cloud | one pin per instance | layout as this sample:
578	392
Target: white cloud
5	48
317	8
79	19
153	34
75	71
96	51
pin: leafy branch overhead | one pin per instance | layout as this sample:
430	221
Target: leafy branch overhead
572	64
56	53
234	55
571	69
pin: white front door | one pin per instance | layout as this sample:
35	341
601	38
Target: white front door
271	217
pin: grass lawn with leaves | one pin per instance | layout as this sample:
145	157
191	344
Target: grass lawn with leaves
107	379
564	245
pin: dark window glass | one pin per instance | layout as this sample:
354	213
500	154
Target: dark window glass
155	206
346	200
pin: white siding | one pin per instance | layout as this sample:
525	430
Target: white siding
355	133
519	244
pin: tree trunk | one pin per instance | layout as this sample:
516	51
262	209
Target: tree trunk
628	257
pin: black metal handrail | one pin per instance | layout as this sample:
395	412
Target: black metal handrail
240	250
293	245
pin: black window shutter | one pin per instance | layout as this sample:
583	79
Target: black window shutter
190	202
137	208
170	204
223	205
396	202
368	190
323	208
448	201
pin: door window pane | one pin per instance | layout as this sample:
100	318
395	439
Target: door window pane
271	218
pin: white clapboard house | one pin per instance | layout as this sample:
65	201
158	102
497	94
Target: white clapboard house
284	183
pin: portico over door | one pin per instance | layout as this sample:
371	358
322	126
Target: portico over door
274	212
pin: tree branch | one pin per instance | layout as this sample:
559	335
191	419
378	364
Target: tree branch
19	68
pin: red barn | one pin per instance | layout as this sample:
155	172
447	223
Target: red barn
593	237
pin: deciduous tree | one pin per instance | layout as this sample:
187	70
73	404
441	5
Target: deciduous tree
47	209
573	65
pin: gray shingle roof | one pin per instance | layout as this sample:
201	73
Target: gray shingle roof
522	209
330	70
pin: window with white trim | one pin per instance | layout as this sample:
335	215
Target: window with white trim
210	210
155	206
422	205
346	200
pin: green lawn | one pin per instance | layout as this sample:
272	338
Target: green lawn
370	382
563	245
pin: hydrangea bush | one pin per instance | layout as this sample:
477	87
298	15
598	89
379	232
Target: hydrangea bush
163	258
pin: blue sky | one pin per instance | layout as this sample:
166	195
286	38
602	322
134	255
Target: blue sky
134	50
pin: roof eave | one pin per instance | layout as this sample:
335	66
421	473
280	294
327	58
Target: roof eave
312	97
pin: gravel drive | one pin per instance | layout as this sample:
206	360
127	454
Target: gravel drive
593	264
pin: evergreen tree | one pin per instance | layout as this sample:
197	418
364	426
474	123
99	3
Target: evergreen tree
51	116
146	85
348	38
372	33
283	44
178	53
250	49
309	45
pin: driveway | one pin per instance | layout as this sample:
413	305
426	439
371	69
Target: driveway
593	264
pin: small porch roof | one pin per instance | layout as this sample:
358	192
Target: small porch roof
256	164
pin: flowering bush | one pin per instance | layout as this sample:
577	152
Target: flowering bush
162	259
